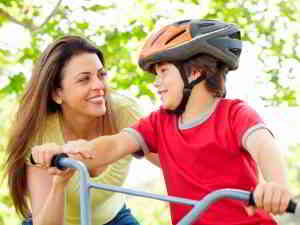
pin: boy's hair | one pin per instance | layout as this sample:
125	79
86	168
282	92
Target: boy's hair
214	71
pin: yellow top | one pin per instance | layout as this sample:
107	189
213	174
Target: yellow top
104	204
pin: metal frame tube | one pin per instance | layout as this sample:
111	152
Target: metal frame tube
85	217
198	206
202	205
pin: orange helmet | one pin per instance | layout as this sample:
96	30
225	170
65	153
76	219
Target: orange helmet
184	39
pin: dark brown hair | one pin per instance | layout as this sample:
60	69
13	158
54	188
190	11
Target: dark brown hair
36	104
214	70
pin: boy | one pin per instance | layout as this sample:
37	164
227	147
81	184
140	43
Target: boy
205	142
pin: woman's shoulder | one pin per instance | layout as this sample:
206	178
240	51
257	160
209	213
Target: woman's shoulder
121	100
124	103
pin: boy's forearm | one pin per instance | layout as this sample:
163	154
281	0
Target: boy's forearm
273	167
108	149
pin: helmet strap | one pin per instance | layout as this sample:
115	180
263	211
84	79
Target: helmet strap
187	90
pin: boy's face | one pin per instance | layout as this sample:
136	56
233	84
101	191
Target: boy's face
169	84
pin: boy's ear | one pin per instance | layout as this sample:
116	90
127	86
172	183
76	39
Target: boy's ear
56	96
196	74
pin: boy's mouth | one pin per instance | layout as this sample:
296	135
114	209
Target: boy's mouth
162	93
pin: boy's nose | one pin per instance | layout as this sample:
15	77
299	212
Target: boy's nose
157	82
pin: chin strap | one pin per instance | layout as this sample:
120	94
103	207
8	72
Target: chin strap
186	90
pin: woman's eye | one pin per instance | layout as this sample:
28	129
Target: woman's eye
83	79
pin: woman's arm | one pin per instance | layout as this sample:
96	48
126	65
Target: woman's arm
273	195
47	200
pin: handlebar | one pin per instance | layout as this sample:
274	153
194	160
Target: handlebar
61	161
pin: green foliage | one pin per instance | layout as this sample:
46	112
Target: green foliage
97	8
7	214
261	22
15	86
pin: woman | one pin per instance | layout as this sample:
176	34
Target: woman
67	99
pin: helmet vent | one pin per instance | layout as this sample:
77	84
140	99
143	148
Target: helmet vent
236	51
175	36
201	25
236	35
157	36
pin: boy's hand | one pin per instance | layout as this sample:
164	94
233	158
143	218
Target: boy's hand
81	147
271	197
43	154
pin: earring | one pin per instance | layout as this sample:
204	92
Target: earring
58	101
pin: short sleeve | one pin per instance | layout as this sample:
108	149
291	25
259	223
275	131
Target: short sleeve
145	133
244	120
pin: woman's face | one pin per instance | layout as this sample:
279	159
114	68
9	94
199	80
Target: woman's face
82	89
169	84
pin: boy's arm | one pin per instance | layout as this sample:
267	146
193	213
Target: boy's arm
266	152
272	196
94	154
108	149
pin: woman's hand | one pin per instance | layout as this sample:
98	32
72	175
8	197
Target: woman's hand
61	177
271	197
43	154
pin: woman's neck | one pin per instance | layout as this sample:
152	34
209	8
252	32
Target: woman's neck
80	128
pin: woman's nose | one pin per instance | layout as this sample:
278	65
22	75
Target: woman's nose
97	84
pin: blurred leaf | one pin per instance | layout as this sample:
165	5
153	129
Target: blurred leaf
97	7
15	86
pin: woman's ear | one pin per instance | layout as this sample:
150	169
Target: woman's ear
56	96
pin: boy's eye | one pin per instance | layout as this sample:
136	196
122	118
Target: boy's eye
164	69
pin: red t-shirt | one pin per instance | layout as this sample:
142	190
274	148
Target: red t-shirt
206	157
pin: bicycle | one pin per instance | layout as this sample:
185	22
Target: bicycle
62	161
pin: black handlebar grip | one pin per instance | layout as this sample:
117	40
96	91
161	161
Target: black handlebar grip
32	160
290	209
54	161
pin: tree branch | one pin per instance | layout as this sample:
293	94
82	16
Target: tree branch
30	26
49	16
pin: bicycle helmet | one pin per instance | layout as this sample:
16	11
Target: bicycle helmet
182	40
